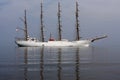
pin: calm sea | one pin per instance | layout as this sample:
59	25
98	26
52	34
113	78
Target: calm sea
60	63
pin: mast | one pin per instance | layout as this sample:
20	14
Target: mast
25	23
77	22
41	21
59	23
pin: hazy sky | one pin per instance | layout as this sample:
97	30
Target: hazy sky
97	17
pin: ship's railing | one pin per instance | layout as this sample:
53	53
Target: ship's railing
28	39
19	39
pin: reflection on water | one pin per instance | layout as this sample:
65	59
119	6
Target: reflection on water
68	63
77	65
59	63
41	63
26	63
51	63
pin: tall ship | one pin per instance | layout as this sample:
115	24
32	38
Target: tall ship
32	42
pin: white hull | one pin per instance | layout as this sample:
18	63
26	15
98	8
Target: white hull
28	43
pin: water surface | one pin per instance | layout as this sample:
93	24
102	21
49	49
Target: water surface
60	63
